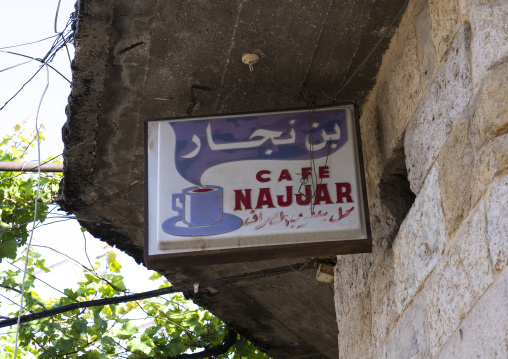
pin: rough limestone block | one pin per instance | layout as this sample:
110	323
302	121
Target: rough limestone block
403	79
484	332
491	115
465	7
459	280
370	135
489	160
455	175
409	338
426	48
350	284
385	129
446	98
373	157
497	223
419	243
384	314
355	336
475	150
489	21
445	23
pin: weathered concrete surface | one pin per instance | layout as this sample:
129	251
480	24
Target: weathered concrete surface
137	60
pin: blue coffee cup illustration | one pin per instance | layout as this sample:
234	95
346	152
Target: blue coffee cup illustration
199	206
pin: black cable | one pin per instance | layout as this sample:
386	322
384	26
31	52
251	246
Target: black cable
22	87
210	351
42	61
155	293
58	44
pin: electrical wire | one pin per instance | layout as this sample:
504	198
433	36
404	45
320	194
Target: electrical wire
156	293
86	252
46	283
47	224
35	59
10	300
28	43
340	91
22	87
14	66
61	41
399	14
35	212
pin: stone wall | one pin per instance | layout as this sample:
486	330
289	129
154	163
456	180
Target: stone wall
435	139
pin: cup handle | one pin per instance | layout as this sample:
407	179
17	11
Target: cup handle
178	196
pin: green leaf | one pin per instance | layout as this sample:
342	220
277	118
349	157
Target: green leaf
113	264
141	343
80	325
40	264
99	324
8	249
117	281
155	276
63	346
108	341
127	331
176	347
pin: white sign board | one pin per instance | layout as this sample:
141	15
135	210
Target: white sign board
273	183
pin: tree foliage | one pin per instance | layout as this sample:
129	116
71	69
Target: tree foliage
161	327
17	192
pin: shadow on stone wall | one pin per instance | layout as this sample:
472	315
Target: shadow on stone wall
395	192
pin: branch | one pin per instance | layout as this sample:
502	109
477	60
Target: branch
229	340
11	288
153	293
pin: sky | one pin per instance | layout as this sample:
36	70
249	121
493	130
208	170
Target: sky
24	21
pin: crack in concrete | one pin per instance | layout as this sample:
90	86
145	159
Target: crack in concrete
317	44
131	47
229	52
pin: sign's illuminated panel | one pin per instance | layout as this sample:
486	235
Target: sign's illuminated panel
228	185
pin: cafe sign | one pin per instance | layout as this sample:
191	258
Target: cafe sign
254	187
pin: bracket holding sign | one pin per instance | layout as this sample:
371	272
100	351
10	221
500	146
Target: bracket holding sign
254	187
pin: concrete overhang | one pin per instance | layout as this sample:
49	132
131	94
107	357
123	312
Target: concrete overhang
138	60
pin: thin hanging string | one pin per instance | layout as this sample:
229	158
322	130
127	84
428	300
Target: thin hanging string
35	212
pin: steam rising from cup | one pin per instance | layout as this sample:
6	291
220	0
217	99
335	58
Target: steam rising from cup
202	144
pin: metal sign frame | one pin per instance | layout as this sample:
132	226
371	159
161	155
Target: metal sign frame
195	213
